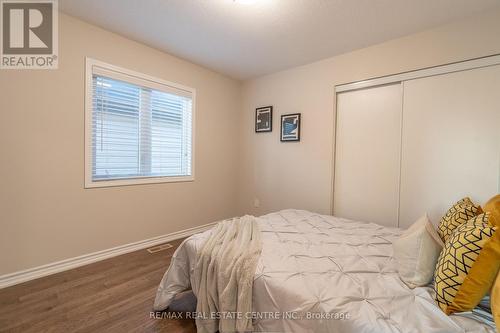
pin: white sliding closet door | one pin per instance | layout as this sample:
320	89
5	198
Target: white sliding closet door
451	141
367	154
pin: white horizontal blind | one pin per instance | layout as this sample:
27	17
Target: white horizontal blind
138	131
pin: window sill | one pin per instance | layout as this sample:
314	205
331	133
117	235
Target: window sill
136	181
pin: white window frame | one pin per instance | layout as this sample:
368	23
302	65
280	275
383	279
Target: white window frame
92	65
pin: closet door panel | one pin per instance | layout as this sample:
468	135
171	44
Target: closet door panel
367	154
450	141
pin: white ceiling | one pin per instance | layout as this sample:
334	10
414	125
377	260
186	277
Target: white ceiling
249	40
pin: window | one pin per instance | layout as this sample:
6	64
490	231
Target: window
138	129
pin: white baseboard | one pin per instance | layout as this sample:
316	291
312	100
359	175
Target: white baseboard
66	264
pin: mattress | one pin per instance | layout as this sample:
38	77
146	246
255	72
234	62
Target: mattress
319	273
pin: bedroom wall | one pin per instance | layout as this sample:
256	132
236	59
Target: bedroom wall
299	175
45	213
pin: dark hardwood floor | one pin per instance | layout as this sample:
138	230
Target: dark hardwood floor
114	295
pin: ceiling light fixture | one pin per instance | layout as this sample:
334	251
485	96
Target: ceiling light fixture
245	2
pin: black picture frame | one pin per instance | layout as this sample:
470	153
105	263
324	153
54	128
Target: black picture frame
288	137
261	113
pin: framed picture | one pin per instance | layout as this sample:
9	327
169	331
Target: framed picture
264	119
290	127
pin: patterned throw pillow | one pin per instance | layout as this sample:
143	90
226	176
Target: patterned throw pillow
457	215
468	265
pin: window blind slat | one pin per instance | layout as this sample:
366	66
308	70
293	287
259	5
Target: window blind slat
138	131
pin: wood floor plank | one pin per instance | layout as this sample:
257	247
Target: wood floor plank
114	295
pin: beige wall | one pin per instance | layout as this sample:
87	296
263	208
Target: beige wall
45	213
299	175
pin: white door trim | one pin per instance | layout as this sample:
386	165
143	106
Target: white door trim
420	73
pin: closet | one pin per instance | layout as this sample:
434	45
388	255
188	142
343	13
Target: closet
416	142
368	154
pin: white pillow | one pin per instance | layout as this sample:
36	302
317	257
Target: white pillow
416	252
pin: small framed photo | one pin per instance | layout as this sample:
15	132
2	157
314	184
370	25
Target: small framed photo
264	119
290	127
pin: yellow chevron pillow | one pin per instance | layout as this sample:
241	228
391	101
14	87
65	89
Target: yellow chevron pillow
457	215
468	265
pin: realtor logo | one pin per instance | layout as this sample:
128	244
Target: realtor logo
29	34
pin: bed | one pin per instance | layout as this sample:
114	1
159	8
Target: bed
319	273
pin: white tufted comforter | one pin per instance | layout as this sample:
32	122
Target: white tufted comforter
318	273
